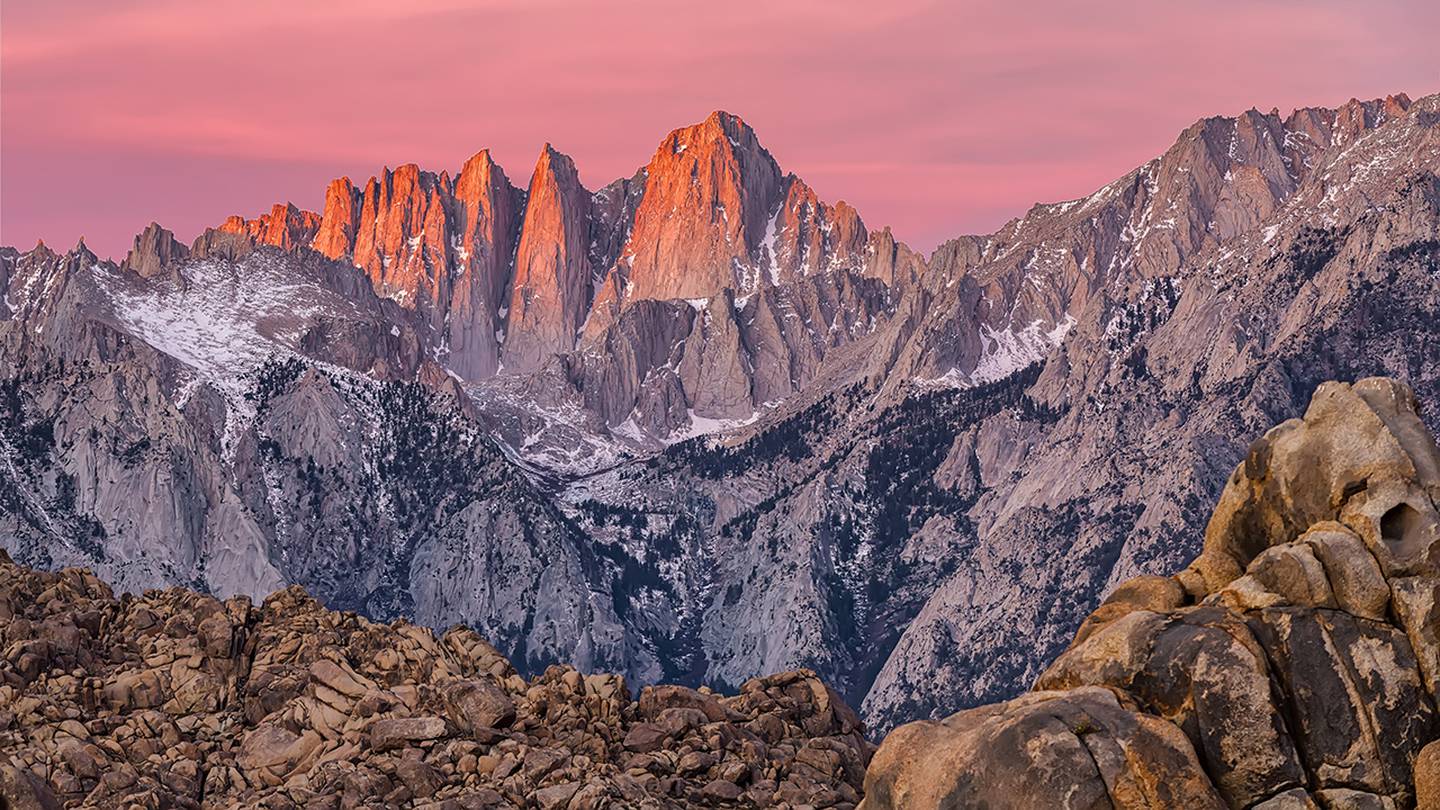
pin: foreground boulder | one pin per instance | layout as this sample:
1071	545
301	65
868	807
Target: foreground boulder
1294	664
174	699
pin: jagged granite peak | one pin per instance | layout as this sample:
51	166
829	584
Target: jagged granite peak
401	241
505	280
339	219
440	248
553	279
806	236
710	191
998	302
155	251
285	226
487	213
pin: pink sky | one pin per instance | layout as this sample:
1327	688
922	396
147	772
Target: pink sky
935	118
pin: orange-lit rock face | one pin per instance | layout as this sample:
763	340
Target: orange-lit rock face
552	286
505	278
439	248
336	236
285	227
709	193
400	241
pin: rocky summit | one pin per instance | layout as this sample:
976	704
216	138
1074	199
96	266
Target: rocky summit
1294	664
174	699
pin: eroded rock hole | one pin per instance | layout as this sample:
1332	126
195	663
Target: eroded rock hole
1398	523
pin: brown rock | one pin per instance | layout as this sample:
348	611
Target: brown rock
655	699
1355	578
1427	778
398	732
720	790
1344	455
1080	748
1296	799
339	677
556	796
475	705
421	779
21	790
644	737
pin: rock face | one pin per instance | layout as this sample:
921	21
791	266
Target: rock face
176	699
552	287
155	251
1292	664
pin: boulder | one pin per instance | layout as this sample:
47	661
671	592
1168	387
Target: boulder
476	705
398	732
1355	578
1305	678
1351	440
340	678
22	790
340	712
1077	748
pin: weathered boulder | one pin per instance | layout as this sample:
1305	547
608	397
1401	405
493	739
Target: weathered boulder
1077	748
476	705
1360	450
1354	576
1427	778
397	732
21	790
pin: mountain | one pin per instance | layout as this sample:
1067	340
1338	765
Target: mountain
699	425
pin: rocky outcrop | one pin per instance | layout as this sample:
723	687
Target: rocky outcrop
1293	664
487	218
285	227
176	699
155	252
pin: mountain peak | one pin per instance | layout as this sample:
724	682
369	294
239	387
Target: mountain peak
711	189
728	122
155	250
720	130
479	173
480	163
